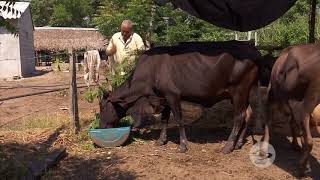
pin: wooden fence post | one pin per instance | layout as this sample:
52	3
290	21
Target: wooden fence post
74	114
312	20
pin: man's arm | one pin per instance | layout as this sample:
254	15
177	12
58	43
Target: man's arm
111	49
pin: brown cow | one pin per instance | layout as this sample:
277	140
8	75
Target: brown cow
203	73
295	85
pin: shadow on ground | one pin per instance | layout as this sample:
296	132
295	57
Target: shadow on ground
288	159
17	159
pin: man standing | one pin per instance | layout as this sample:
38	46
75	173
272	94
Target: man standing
123	45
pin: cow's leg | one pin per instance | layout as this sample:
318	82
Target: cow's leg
175	106
294	143
311	100
293	128
308	143
240	141
269	110
165	115
240	105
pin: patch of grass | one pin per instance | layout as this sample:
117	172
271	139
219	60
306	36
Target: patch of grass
84	140
42	122
89	95
62	93
47	121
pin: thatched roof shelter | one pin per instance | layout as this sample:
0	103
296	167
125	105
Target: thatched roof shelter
63	38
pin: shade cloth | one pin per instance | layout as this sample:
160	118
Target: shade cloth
240	15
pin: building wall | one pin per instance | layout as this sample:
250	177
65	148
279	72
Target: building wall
26	43
9	54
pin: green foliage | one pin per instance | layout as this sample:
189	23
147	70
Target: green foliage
89	95
181	26
95	123
284	35
95	93
42	11
106	15
117	78
71	13
124	122
6	23
123	70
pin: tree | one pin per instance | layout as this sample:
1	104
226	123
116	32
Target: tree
5	23
181	27
42	11
290	29
71	13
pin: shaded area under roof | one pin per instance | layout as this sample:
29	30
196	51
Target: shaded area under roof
240	15
62	38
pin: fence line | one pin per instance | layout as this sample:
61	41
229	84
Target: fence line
43	56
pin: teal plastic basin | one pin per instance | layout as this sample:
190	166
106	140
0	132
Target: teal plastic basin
110	137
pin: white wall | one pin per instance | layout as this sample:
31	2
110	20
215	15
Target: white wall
9	55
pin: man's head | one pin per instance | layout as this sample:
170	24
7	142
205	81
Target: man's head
126	29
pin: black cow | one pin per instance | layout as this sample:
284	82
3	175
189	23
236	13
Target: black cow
198	72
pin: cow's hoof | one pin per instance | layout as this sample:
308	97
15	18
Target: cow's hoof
182	149
228	148
160	142
239	145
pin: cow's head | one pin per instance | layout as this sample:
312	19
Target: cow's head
265	67
110	113
141	111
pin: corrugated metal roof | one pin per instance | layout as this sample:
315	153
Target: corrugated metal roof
14	11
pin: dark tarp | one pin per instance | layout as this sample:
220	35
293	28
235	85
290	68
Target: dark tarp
240	15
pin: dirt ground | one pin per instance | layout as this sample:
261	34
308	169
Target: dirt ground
31	127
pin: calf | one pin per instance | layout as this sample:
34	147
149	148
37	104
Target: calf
202	73
295	85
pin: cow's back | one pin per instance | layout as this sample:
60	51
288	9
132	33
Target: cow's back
296	69
196	71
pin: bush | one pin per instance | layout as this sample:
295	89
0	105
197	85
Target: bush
95	123
96	93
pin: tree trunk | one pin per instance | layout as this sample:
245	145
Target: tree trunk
74	115
149	34
312	20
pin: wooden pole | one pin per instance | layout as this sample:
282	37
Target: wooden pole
74	115
312	20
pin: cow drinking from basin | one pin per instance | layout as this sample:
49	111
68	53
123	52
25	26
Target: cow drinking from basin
203	73
294	86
